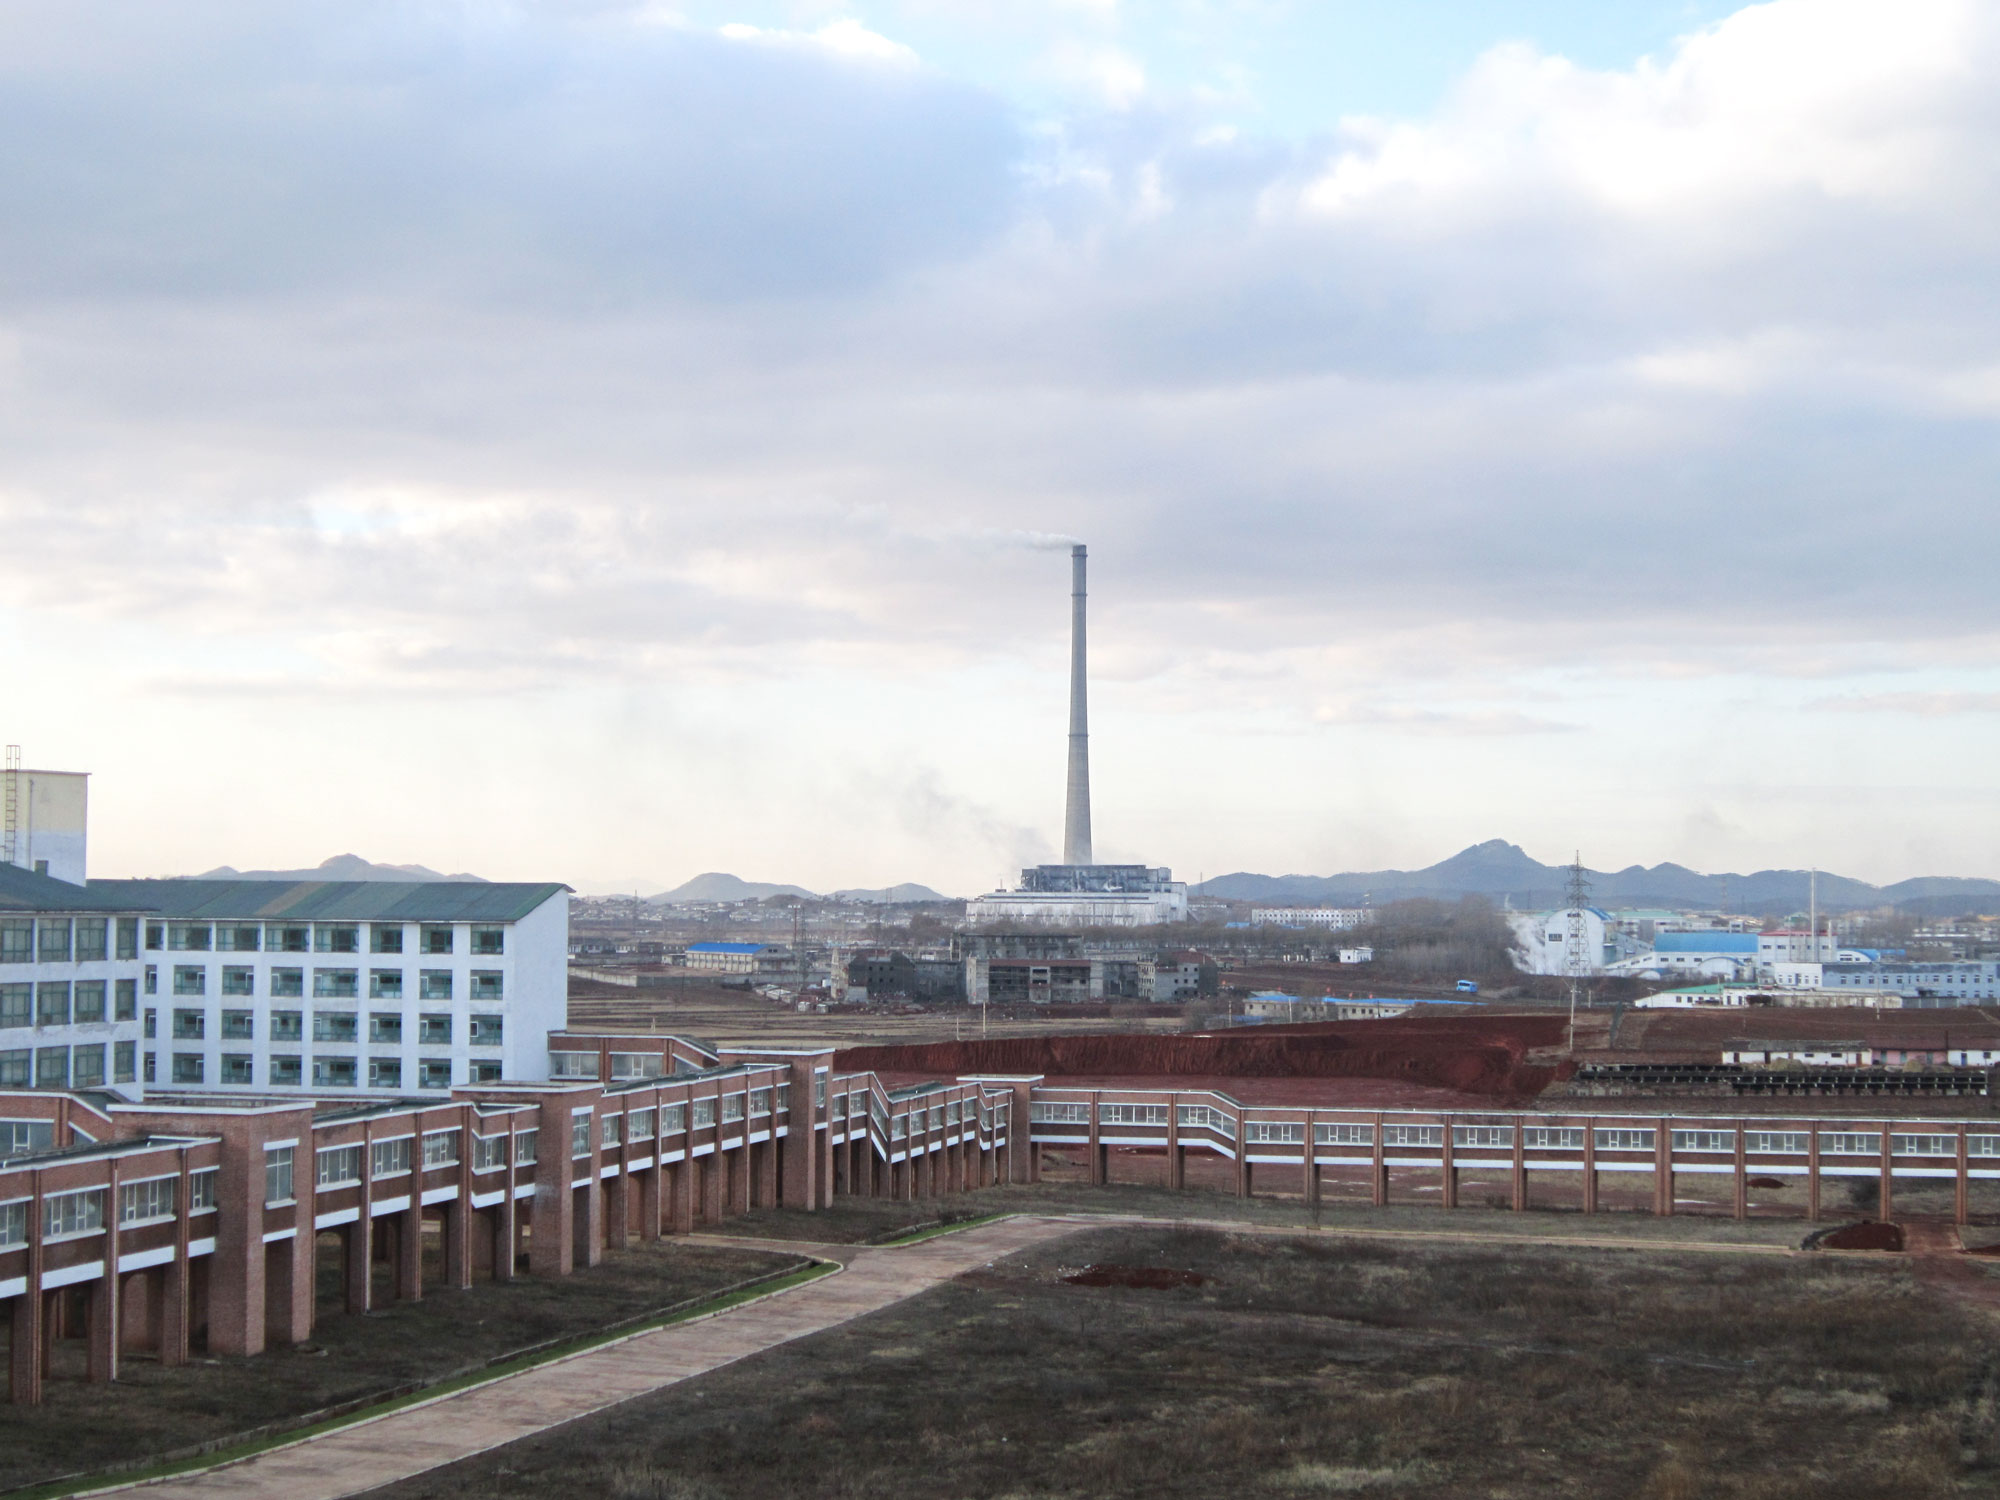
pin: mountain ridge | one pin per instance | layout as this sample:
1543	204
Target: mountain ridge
339	867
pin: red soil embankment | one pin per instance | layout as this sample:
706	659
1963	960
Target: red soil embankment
1483	1055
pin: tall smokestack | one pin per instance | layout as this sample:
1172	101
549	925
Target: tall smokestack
1076	807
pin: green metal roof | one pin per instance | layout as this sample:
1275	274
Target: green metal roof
334	900
24	890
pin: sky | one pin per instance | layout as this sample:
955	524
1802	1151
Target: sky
609	440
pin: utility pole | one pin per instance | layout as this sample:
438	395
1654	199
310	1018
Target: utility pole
1577	959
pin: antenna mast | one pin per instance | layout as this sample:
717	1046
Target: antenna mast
1576	960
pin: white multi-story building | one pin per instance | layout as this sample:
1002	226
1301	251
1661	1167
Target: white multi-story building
70	976
321	986
44	820
1331	918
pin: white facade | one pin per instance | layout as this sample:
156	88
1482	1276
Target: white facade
385	988
45	822
1331	918
1079	908
1362	955
1796	946
1542	940
69	989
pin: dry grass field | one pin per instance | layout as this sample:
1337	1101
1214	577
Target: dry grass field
151	1411
1301	1367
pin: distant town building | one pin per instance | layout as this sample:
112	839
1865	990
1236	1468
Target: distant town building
740	958
1361	955
1085	896
1330	918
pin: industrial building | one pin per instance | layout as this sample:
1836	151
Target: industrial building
44	819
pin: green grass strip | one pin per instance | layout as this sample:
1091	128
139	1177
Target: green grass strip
932	1231
449	1386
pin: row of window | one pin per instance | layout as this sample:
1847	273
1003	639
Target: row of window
329	984
287	1070
70	1215
67	940
69	1067
61	1002
313	937
433	1028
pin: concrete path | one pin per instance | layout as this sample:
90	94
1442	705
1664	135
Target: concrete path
384	1449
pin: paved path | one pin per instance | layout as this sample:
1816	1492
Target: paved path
384	1449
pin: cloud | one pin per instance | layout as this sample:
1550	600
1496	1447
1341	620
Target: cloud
1923	705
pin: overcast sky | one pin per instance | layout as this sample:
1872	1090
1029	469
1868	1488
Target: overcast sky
606	442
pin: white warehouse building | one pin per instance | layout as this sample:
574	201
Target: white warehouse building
382	986
1542	940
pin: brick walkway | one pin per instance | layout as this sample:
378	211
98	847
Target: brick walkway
384	1449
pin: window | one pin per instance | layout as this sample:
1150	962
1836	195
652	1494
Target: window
1625	1140
1483	1137
704	1113
441	1148
1344	1135
1552	1138
190	979
784	1098
333	1072
899	1127
17	941
285	1026
284	1069
52	1003
125	996
732	1108
336	1166
188	937
149	1201
17	1005
385	1072
18	1137
611	1130
146	1066
238	979
951	1114
156	936
1069	1114
236	1067
486	985
434	1073
385	984
673	1119
489	942
579	1135
819	1089
277	1175
52	940
87	1066
483	1031
238	938
152	979
635	1065
52	1067
124	1062
282	938
1413	1135
1924	1145
840	1106
385	937
201	1190
13	1224
1704	1140
333	1026
390	1158
239	1025
572	1065
483	1072
190	1025
436	939
336	984
92	934
1850	1143
1132	1114
760	1102
17	1068
434	984
489	1153
1269	1133
66	1215
188	1067
336	937
434	1030
525	1145
89	1000
642	1124
385	1026
1982	1145
288	984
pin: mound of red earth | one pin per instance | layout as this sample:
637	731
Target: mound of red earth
1867	1235
1146	1278
1483	1055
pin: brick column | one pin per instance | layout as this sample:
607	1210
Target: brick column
1590	1169
1448	1165
1519	1174
1176	1153
1812	1173
617	1211
101	1298
1311	1163
410	1241
1888	1192
1961	1184
1380	1172
1741	1197
1663	1169
681	1196
650	1197
552	1225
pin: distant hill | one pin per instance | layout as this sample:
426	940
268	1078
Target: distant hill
1503	870
716	886
340	867
909	890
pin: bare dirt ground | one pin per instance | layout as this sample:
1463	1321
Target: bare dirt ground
1271	1365
152	1411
